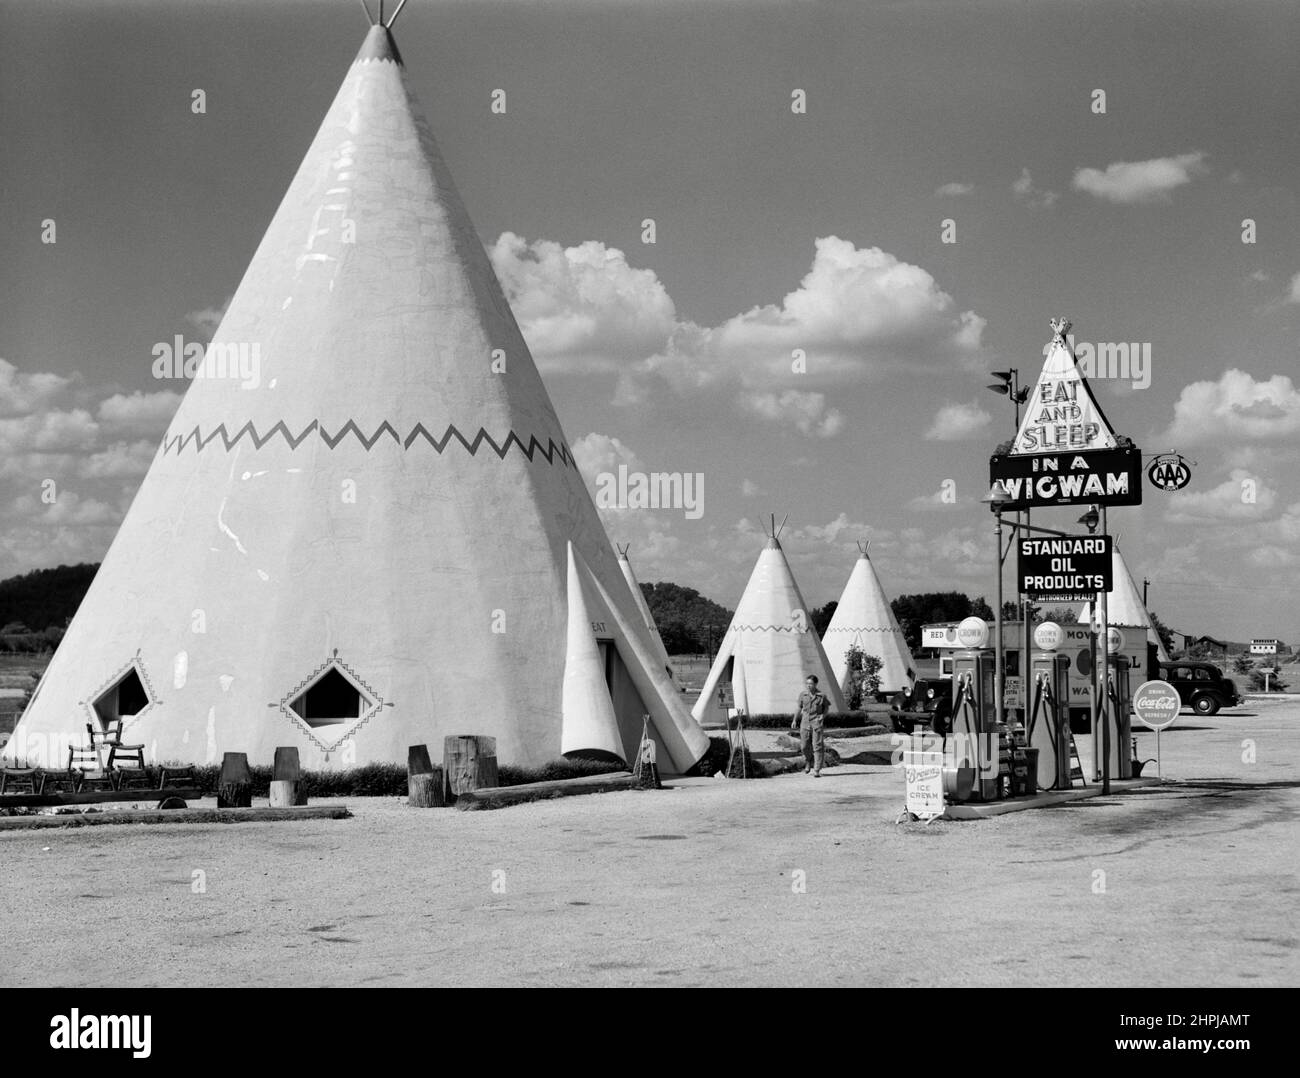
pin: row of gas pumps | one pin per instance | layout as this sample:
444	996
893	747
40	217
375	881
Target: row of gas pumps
981	754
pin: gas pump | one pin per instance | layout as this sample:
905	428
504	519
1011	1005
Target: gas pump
974	727
1121	698
1049	708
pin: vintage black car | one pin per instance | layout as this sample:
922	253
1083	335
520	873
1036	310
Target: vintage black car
1201	686
927	704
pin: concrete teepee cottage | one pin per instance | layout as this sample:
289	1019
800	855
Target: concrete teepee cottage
770	645
381	537
865	618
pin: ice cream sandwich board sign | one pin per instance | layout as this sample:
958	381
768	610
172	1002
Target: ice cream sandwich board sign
1066	452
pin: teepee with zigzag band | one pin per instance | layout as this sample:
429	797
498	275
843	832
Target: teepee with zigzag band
381	538
770	645
863	617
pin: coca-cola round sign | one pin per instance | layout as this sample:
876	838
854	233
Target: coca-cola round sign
1156	703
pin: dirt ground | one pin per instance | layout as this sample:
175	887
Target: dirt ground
783	881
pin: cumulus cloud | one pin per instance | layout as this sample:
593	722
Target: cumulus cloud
954	190
1241	497
49	432
806	411
856	312
1132	182
1034	197
599	453
140	413
22	393
1236	406
582	308
750	489
122	460
955	422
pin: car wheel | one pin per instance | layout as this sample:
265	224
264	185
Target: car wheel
1205	705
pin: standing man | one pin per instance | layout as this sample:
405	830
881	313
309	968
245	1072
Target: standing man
810	718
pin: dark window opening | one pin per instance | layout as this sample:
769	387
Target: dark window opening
332	698
124	698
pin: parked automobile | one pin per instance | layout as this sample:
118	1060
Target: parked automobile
1201	686
928	703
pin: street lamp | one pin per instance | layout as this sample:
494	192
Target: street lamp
1090	519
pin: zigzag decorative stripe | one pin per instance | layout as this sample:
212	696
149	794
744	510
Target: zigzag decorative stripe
550	450
867	629
768	629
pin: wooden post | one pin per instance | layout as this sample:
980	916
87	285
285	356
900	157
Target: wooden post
286	779
235	785
469	763
423	780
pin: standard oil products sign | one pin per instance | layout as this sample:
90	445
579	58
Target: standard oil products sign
1065	565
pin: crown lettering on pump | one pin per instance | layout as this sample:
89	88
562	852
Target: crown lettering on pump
1060	327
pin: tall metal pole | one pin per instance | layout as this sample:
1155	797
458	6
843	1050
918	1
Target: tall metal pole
997	622
1105	680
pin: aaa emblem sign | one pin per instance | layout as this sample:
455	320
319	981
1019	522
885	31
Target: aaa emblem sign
1109	476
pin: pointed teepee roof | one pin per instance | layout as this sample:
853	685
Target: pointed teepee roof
1061	414
364	528
864	617
1124	603
771	645
643	607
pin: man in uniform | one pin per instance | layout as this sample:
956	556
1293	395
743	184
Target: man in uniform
810	718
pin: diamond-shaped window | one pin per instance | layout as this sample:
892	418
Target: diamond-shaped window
331	700
127	696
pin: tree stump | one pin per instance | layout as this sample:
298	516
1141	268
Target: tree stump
469	763
286	779
424	784
235	784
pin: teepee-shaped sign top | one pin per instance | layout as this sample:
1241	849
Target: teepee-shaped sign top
1061	415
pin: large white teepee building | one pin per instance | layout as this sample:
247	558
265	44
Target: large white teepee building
770	645
865	618
379	539
1124	604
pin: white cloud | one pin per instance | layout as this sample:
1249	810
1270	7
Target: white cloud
49	432
122	460
856	312
806	411
1236	406
955	422
582	308
1293	293
1239	498
1035	198
23	393
750	489
954	190
598	453
1261	277
1132	182
139	413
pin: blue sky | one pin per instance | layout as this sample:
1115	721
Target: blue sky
778	234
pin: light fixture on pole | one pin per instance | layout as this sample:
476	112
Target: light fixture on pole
1090	519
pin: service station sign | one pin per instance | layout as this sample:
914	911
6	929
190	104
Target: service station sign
1078	565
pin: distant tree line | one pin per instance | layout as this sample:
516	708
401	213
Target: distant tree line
689	623
36	607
